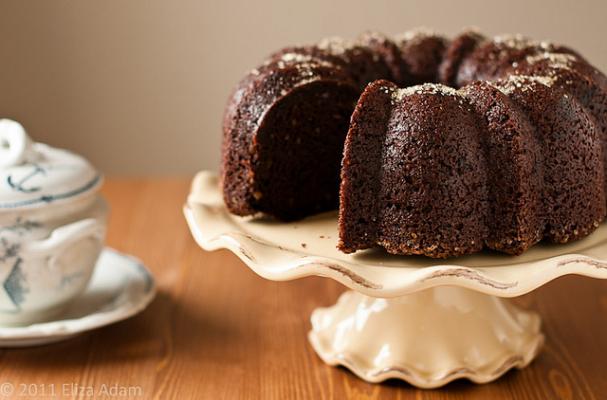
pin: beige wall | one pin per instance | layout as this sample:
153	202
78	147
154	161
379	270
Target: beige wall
139	86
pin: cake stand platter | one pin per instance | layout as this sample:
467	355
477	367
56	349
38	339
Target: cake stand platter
421	320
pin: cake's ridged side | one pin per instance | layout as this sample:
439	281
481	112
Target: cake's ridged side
388	53
360	63
578	78
574	201
494	59
361	168
235	158
540	140
515	173
422	53
459	48
434	198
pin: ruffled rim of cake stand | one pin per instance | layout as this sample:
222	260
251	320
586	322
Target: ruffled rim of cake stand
285	251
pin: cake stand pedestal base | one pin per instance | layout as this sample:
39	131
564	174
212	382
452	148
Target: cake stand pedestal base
427	338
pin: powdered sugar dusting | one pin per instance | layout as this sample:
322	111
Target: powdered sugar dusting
335	45
297	60
416	34
474	30
520	42
524	83
295	57
426	88
546	45
303	81
370	36
556	60
388	89
517	42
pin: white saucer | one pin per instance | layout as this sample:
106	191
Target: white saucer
121	287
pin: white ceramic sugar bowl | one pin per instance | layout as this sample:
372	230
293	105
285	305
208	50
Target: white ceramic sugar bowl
52	227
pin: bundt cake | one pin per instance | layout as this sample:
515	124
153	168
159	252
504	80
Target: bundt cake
427	145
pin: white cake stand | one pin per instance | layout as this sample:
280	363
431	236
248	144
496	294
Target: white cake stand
421	320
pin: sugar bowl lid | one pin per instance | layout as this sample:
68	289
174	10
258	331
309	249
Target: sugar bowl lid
35	175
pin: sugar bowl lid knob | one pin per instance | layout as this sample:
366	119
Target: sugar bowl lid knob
14	143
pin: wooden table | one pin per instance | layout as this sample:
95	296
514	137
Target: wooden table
218	331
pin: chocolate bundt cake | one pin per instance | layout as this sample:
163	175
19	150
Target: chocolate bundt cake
491	143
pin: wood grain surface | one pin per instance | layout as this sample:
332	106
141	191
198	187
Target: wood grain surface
218	331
